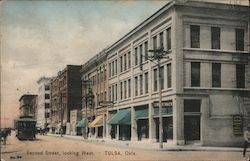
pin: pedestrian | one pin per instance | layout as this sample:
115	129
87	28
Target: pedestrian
247	140
4	135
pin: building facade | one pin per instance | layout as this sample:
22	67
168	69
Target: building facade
66	95
28	105
43	103
204	77
94	89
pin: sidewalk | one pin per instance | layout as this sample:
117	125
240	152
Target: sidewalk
150	146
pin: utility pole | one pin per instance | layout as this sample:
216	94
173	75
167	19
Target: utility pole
62	113
158	55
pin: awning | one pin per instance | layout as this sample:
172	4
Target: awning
82	123
121	117
98	121
141	114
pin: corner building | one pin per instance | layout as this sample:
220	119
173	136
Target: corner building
204	79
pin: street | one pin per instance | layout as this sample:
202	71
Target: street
51	148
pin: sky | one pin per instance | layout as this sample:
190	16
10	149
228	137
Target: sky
39	38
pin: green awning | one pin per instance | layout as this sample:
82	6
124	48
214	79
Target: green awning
121	117
82	123
167	110
141	114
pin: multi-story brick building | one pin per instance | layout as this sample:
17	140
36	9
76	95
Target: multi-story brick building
95	85
43	103
204	77
66	95
28	105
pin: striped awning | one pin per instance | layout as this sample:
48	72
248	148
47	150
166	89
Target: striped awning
98	121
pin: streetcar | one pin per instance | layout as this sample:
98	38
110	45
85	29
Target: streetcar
25	127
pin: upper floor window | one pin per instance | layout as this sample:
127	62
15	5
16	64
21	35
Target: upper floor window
47	87
195	36
47	105
154	42
169	75
162	77
216	75
115	67
116	92
240	75
155	79
125	61
129	88
121	64
215	37
141	85
125	89
141	54
121	91
146	82
136	86
146	50
161	40
129	60
169	38
47	96
136	56
195	74
239	34
109	70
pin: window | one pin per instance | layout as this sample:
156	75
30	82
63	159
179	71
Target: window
116	92
195	74
146	50
162	77
154	42
47	87
121	91
161	40
129	60
136	56
113	68
121	64
195	36
110	94
146	82
169	75
169	38
192	105
47	105
216	75
125	61
155	79
141	85
215	37
240	75
47	96
239	33
141	56
125	89
136	86
129	88
113	93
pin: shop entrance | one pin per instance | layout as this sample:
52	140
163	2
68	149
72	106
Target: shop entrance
192	128
167	128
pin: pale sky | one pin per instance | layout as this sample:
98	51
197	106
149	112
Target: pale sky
39	38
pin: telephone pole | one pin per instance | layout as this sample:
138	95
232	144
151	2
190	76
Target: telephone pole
159	54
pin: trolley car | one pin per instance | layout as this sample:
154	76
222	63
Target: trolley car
25	127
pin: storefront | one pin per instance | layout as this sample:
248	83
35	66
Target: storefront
121	124
141	116
97	124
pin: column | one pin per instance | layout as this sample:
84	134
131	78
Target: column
152	128
178	121
134	136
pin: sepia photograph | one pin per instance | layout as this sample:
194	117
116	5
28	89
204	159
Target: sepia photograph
125	80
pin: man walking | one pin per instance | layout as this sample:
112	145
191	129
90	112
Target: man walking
247	140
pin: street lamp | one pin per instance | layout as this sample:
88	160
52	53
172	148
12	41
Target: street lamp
159	54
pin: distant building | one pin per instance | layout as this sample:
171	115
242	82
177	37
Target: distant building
66	95
43	103
75	117
28	105
204	79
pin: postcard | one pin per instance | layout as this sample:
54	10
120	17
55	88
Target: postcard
162	80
